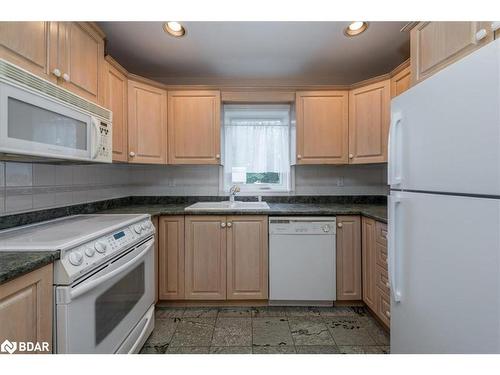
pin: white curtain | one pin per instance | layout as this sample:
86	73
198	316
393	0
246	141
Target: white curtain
257	138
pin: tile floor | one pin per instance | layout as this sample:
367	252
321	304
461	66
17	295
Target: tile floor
266	330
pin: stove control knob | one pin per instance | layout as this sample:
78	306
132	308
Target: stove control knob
144	226
76	258
100	246
137	229
89	252
326	228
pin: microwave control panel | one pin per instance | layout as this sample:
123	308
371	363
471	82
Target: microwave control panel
104	142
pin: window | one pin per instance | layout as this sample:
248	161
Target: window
257	147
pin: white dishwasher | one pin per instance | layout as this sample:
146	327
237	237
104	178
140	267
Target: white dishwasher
302	261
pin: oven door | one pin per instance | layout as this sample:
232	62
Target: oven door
35	125
97	314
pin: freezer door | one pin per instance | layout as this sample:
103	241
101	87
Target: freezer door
444	254
445	131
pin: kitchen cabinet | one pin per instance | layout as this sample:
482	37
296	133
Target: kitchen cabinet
147	123
348	258
400	82
226	257
77	58
194	127
435	45
26	44
247	257
26	307
171	257
368	262
369	116
322	127
116	100
205	257
154	220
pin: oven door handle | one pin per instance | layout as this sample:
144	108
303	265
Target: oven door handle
77	292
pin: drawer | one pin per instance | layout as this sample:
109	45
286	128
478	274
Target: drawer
382	279
384	307
381	255
381	233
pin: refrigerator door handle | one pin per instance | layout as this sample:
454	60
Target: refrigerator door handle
394	204
394	153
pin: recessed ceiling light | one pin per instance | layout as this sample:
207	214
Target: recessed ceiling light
355	28
174	28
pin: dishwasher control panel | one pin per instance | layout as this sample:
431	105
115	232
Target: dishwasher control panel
302	225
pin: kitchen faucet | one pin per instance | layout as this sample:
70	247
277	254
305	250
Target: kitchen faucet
232	192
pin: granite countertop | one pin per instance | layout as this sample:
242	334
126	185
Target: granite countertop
374	211
15	264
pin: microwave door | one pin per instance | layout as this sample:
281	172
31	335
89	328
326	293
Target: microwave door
31	124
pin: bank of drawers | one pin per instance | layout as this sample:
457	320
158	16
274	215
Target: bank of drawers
383	307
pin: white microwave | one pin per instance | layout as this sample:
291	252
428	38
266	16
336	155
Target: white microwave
42	121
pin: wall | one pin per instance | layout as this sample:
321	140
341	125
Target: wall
27	187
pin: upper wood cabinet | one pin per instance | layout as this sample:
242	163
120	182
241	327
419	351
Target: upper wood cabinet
26	307
147	123
247	257
369	116
205	257
115	83
435	45
322	127
400	82
70	54
368	262
171	257
194	127
349	258
26	44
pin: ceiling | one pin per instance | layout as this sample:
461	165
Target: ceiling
286	53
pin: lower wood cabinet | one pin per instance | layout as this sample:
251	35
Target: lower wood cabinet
171	257
349	258
26	307
247	257
368	262
205	258
154	220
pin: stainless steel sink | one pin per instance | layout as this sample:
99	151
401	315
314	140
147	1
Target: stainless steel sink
227	206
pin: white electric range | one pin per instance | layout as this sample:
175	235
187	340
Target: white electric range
103	281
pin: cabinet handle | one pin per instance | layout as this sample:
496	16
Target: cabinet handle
340	225
66	77
223	225
481	34
351	156
388	314
299	156
56	72
229	225
387	284
131	154
217	156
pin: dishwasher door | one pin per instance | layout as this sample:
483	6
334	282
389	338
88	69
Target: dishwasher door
302	261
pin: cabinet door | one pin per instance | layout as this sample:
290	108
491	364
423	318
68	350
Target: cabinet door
435	45
116	100
368	262
26	44
322	127
205	265
26	307
80	58
171	257
147	124
194	127
369	117
247	257
154	220
400	82
349	258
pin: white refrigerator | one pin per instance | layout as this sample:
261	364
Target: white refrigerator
444	210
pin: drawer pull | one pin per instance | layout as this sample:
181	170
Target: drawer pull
387	284
388	314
